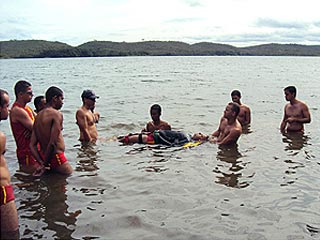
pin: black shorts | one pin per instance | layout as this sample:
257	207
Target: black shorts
170	138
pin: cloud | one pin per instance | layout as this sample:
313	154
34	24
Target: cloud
272	23
193	3
183	20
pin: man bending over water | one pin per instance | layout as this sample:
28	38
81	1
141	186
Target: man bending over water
47	131
296	112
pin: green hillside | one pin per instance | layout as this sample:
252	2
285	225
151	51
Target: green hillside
42	49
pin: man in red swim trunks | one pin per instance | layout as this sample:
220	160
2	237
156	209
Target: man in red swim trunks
21	121
47	131
8	210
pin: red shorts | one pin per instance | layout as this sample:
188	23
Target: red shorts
57	160
26	158
150	138
6	194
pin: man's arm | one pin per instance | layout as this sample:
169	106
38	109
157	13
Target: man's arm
2	144
248	115
55	130
83	125
218	131
34	147
21	116
284	121
232	137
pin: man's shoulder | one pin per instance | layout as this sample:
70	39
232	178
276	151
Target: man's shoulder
302	104
164	123
245	107
2	136
81	111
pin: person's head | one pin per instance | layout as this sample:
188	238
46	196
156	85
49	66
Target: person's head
199	137
290	92
232	110
23	91
89	98
155	112
54	97
39	103
236	96
4	104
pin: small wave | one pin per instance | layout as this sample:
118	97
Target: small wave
125	126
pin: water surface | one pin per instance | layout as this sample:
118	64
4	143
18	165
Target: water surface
266	187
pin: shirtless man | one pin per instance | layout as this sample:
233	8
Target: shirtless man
230	128
47	131
244	116
8	210
87	118
296	113
156	123
21	121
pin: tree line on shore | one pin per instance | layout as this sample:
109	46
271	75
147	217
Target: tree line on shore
48	49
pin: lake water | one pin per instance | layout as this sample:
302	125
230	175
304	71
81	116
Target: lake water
266	187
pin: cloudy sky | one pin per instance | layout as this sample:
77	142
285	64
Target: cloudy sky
235	22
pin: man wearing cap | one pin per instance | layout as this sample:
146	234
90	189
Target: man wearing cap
87	118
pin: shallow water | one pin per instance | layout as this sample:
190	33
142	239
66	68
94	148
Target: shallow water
266	187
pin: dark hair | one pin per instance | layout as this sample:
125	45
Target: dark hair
235	107
53	92
21	86
236	93
2	93
291	89
37	102
156	107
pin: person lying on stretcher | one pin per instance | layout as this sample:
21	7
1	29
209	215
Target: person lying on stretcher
165	137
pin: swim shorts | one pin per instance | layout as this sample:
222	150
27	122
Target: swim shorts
26	158
57	160
6	194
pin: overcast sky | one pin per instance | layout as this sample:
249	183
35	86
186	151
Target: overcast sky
235	22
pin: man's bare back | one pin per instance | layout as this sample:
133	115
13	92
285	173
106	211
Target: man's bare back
47	131
48	127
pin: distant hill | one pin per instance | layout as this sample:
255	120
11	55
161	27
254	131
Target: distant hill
41	49
282	50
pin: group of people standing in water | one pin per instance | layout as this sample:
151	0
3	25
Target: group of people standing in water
40	144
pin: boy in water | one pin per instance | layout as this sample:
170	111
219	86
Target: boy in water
156	123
